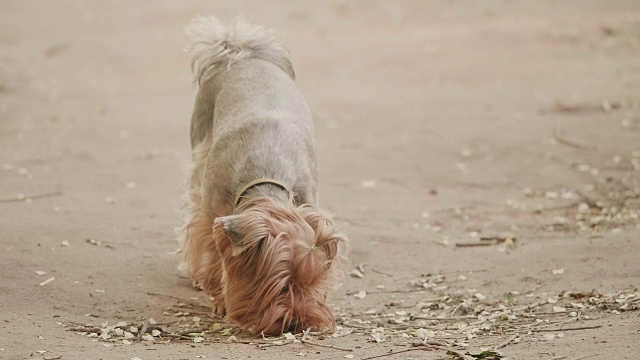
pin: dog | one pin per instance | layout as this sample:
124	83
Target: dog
255	238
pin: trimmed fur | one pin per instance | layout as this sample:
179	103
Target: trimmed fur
270	262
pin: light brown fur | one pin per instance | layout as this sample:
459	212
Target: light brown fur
269	261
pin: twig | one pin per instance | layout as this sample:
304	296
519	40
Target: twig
563	141
444	347
475	244
181	337
506	342
559	357
307	342
456	309
84	329
22	197
177	298
389	291
451	318
381	272
143	329
196	330
568	329
585	356
392	353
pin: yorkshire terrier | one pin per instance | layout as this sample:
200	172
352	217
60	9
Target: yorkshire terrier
255	238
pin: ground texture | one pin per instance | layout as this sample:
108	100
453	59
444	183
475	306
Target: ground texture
440	125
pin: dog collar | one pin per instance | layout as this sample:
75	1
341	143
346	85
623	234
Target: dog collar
259	182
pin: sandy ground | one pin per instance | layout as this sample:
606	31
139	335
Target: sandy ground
490	118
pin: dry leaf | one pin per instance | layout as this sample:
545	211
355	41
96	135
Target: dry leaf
198	339
41	273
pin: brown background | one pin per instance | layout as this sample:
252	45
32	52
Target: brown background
95	95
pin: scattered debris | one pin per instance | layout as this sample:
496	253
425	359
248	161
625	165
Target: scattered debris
51	279
28	198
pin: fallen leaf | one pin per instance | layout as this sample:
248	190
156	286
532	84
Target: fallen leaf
360	295
289	336
155	333
357	274
41	273
198	339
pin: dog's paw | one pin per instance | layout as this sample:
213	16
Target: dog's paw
218	308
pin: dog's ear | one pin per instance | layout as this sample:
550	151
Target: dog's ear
241	231
327	236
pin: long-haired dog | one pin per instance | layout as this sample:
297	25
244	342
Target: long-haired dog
255	238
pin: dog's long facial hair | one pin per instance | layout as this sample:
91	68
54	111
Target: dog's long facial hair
278	262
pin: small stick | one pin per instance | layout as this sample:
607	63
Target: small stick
568	329
381	272
475	244
559	357
47	281
31	197
196	330
452	318
391	353
563	141
499	239
307	342
441	346
177	298
506	342
456	309
585	356
143	329
181	337
85	329
390	291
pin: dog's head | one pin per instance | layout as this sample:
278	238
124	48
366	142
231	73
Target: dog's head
279	265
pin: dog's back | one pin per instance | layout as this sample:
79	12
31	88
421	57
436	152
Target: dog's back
250	120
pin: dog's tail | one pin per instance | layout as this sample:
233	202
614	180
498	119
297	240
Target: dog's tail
216	47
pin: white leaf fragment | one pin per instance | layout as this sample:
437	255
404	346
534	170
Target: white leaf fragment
51	279
360	295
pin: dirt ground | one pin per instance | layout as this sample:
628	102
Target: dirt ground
438	123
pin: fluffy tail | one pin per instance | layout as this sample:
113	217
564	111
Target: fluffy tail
216	47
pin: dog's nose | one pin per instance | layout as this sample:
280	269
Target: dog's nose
291	326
